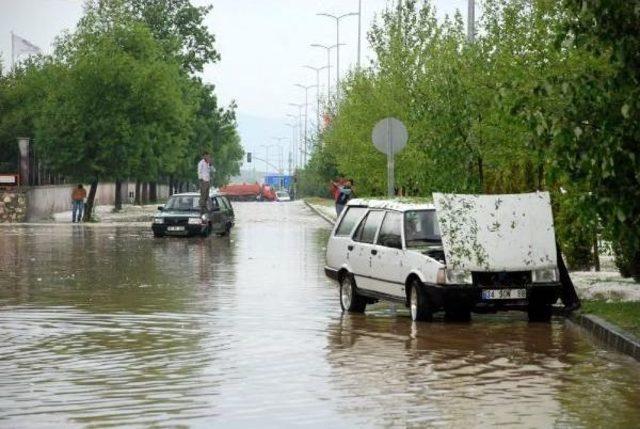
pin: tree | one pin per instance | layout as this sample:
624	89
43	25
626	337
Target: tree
117	102
180	28
597	138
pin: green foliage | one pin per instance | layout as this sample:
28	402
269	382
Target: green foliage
117	107
180	28
117	100
547	97
576	228
315	180
597	138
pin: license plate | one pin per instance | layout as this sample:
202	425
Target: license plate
175	228
504	294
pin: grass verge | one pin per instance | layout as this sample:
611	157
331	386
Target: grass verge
320	201
626	315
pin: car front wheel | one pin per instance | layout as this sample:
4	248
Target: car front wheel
419	303
207	231
350	300
538	312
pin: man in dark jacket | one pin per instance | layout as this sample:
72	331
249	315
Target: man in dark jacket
345	194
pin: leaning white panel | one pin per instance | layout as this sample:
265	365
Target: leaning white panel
497	232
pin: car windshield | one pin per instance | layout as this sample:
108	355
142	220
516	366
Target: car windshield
183	203
421	228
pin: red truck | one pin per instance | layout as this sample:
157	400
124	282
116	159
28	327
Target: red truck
248	192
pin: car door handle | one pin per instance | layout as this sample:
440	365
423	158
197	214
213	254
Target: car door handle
350	247
374	252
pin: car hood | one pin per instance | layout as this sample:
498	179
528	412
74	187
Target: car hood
177	213
497	232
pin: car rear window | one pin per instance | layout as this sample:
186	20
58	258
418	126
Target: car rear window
366	231
349	220
390	231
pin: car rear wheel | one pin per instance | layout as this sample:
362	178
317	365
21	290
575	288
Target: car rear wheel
419	303
350	300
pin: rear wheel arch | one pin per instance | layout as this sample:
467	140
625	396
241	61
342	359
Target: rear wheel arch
407	287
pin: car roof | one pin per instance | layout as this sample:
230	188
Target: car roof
395	204
194	194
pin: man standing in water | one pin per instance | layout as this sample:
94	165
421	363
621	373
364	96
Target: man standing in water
204	177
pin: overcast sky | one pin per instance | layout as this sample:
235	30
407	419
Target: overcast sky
263	43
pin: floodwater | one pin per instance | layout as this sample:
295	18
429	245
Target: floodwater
106	326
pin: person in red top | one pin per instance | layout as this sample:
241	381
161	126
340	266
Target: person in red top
77	199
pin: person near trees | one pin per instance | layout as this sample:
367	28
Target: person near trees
204	177
344	195
77	200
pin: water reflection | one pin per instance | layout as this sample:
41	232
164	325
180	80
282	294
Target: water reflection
499	369
106	326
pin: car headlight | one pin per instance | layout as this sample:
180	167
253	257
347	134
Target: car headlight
195	221
544	275
158	220
458	277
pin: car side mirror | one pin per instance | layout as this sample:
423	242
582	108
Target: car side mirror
160	208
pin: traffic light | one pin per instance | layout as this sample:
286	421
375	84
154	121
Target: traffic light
248	156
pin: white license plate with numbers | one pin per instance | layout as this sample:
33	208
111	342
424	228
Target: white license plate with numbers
504	294
175	228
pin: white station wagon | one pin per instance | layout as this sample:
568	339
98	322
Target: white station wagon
463	253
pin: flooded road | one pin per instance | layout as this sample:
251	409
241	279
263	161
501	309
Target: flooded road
106	326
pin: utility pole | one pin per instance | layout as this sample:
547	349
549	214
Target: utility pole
471	20
337	19
317	70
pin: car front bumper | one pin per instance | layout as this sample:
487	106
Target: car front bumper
331	273
189	229
470	296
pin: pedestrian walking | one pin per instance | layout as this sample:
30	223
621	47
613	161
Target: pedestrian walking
204	177
77	200
344	195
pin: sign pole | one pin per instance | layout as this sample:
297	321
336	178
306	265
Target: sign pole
390	164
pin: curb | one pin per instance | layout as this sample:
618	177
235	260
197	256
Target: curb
609	334
319	213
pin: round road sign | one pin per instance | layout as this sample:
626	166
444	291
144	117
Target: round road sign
389	136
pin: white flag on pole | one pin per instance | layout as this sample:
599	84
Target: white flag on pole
22	46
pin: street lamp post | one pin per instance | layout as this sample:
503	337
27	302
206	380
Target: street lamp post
328	49
280	160
292	147
317	70
359	29
301	137
266	160
306	117
337	18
